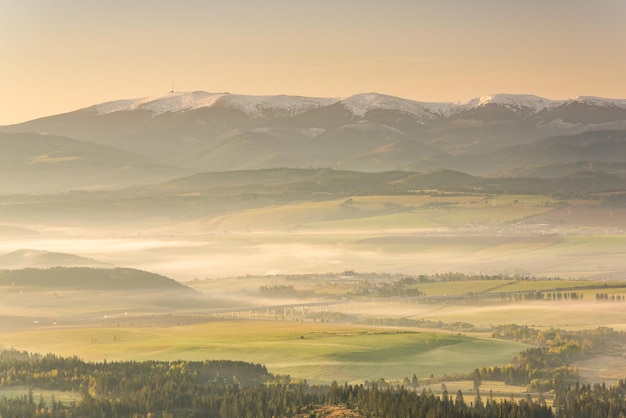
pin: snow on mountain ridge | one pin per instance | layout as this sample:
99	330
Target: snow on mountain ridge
117	105
526	103
253	106
172	102
176	102
359	104
282	105
537	104
600	101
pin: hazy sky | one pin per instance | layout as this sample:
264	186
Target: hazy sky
61	55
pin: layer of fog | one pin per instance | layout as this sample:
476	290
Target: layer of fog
212	256
564	314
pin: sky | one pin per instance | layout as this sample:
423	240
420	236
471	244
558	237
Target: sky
62	55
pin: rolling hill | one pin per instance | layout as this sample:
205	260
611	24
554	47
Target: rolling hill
196	197
26	258
37	163
84	278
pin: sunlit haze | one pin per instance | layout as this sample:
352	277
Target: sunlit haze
313	208
64	55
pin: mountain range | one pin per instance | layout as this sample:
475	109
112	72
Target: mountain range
138	141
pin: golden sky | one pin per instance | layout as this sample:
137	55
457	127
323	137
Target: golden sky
61	55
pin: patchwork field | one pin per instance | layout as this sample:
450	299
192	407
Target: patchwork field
577	246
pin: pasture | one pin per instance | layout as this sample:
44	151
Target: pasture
317	352
39	394
488	389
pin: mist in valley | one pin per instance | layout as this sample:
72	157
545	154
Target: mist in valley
299	209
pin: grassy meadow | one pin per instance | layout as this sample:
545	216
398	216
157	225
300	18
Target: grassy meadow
317	352
325	343
38	394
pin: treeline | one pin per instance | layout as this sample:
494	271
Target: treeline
283	291
408	287
558	296
548	366
540	369
417	323
402	402
404	287
540	295
601	340
73	374
155	389
591	401
459	277
590	341
611	298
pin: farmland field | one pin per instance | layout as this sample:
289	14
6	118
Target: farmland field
313	248
317	352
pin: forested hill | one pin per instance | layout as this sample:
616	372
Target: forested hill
86	278
233	389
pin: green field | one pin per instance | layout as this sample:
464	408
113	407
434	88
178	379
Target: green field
367	212
38	394
313	351
496	390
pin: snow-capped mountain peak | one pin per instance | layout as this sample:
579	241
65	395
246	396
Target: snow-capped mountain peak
525	103
600	101
360	104
172	102
253	106
257	106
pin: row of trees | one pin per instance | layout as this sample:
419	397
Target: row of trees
401	288
612	298
541	368
539	295
548	366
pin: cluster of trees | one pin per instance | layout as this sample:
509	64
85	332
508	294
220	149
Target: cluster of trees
612	298
539	295
73	374
460	277
601	340
548	366
234	389
419	323
591	341
282	291
591	401
542	368
402	402
408	287
537	368
405	287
